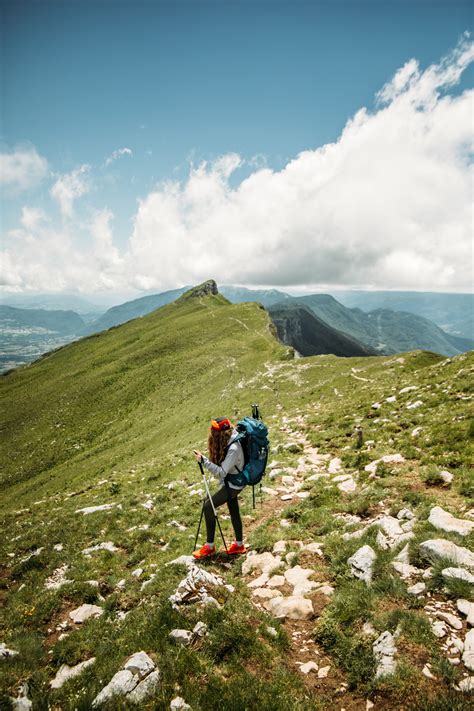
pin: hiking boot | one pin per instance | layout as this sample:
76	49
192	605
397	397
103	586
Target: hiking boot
204	552
234	549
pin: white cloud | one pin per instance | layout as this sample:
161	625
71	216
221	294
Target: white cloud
387	205
22	168
117	154
70	187
32	217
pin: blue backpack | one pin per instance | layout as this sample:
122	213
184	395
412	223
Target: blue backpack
253	436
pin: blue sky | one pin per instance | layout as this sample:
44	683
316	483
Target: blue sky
180	82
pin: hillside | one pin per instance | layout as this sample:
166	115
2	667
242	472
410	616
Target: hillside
298	327
453	313
110	422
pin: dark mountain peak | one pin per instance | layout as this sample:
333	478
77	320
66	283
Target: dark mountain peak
207	288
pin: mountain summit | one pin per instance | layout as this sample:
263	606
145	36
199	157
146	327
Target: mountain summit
205	289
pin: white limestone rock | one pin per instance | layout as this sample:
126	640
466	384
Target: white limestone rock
183	637
260	581
279	547
265	562
444	521
323	672
348	485
447	477
121	684
265	593
106	546
298	575
308	667
458	573
386	459
92	509
362	563
145	688
276	581
384	649
405	514
466	608
334	465
22	702
200	630
140	664
468	655
5	652
439	548
193	588
451	619
187	560
85	612
313	548
467	684
293	608
66	672
417	589
179	704
439	629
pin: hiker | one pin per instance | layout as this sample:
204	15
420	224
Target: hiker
226	456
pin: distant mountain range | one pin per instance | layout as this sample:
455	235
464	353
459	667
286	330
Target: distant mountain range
453	313
312	324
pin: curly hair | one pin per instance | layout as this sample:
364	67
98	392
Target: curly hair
217	444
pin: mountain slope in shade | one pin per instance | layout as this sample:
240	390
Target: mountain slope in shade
266	297
298	327
132	309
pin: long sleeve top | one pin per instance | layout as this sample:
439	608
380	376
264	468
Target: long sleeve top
232	464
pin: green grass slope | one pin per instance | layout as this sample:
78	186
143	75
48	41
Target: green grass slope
113	418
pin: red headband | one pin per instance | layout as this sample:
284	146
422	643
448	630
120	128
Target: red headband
221	424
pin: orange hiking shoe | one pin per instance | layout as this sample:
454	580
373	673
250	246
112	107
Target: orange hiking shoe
234	549
204	552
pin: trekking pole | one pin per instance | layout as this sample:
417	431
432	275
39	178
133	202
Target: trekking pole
199	527
213	507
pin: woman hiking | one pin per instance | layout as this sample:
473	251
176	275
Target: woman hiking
226	457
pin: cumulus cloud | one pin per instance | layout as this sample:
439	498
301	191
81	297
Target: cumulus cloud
387	205
70	187
22	168
117	154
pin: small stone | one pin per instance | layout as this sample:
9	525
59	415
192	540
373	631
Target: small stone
466	608
368	630
313	548
439	548
439	629
66	672
452	620
459	574
139	664
144	688
183	637
405	513
293	608
200	629
417	589
276	581
92	509
368	705
136	573
447	477
265	593
122	683
362	563
308	667
444	521
467	684
279	547
265	562
259	582
468	656
427	672
384	651
179	704
84	612
284	523
416	431
323	672
5	652
334	465
271	631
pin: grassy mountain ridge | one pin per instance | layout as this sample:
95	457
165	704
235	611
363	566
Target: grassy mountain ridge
113	421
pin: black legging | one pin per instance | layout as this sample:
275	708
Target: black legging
219	498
